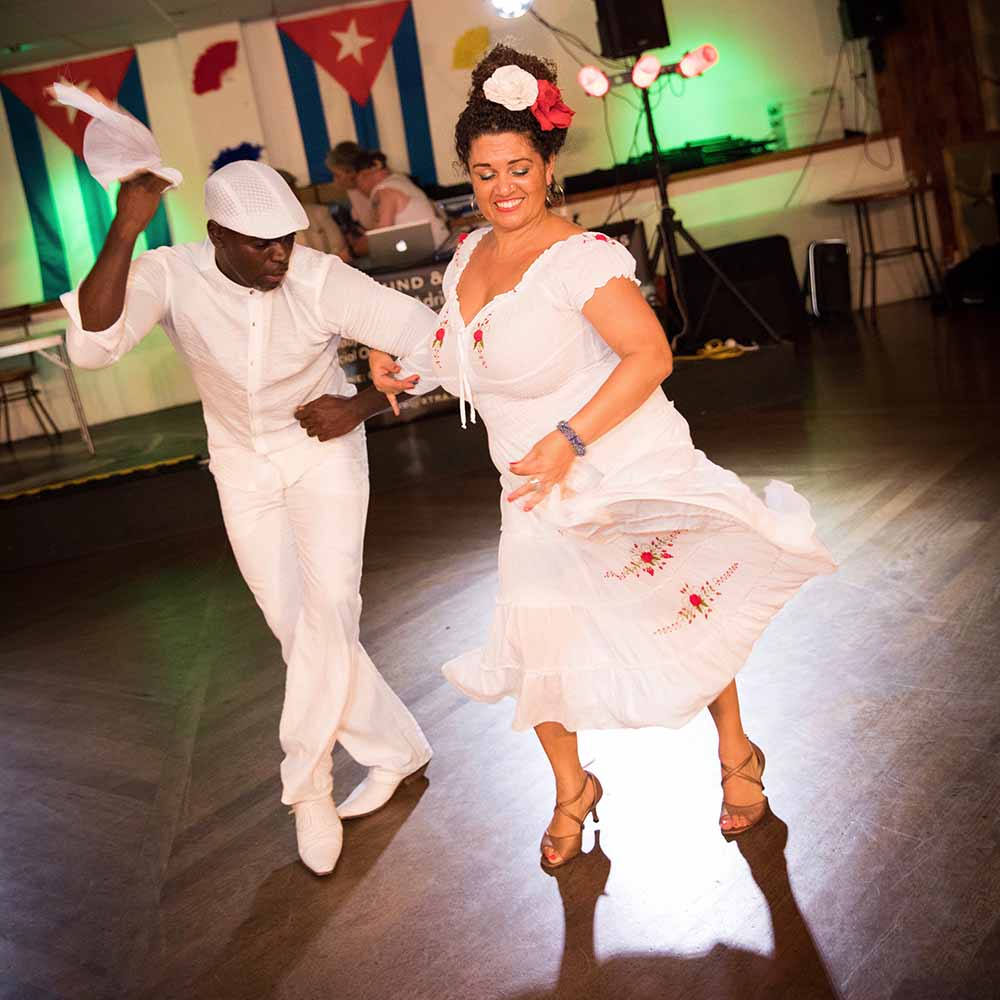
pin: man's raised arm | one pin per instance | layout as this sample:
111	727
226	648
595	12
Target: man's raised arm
102	294
99	333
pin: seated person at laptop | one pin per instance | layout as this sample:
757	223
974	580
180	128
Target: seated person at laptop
343	161
397	201
323	233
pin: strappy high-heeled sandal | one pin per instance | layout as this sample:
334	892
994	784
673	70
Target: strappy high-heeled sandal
755	812
575	840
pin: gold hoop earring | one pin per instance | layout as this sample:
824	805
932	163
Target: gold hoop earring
555	195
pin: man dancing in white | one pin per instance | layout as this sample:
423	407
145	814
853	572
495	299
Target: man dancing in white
258	321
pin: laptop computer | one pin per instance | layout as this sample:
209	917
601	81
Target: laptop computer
395	247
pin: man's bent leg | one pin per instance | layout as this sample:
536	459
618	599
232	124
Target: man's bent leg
374	711
333	690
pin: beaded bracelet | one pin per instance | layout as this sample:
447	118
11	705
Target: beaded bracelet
574	439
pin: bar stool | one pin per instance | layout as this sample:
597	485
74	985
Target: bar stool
916	195
17	384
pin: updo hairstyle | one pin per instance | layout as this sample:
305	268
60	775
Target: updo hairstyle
484	117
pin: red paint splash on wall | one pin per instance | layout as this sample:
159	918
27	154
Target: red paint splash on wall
211	64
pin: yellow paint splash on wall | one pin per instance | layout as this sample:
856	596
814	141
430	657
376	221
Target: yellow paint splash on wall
470	48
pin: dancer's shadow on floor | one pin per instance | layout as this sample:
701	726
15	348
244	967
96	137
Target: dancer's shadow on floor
794	970
292	907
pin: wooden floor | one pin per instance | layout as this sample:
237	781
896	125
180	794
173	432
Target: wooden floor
144	853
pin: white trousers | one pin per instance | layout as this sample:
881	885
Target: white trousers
299	547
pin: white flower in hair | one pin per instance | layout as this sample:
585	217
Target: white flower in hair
515	88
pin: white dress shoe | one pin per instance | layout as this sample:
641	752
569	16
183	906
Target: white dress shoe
376	790
319	834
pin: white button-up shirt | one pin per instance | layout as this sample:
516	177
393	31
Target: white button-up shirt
254	356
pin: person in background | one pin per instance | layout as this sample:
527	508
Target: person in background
395	199
343	162
323	233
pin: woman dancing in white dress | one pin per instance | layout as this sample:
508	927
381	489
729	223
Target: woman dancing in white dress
635	575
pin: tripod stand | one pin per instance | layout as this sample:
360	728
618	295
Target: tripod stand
669	228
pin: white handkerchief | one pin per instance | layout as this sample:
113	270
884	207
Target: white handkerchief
116	146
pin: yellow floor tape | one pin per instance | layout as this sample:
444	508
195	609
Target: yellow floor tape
97	477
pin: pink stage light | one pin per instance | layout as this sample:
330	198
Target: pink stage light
695	62
645	71
593	80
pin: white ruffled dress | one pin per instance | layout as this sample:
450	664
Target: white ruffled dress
635	596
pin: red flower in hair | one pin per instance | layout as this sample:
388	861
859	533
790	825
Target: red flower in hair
549	109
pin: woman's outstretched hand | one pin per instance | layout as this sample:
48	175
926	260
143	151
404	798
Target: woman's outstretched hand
383	374
545	466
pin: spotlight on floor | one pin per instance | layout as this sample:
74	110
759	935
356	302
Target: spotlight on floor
511	8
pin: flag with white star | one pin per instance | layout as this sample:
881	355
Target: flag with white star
69	211
370	52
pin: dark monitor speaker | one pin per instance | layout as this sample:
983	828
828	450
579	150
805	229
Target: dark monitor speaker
628	27
763	271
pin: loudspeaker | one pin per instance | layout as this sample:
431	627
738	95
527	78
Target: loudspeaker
870	18
632	235
763	271
827	284
628	27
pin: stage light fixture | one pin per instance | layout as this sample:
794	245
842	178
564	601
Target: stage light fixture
695	62
645	71
593	80
512	8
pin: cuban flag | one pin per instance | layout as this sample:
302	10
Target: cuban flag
351	73
60	212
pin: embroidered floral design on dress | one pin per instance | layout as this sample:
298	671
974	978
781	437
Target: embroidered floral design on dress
698	602
437	344
649	558
479	340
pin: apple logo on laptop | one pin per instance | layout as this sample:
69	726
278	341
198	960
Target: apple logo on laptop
401	246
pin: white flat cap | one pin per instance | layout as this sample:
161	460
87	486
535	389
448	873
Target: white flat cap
251	198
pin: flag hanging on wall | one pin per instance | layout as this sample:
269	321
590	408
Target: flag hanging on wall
69	211
351	46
